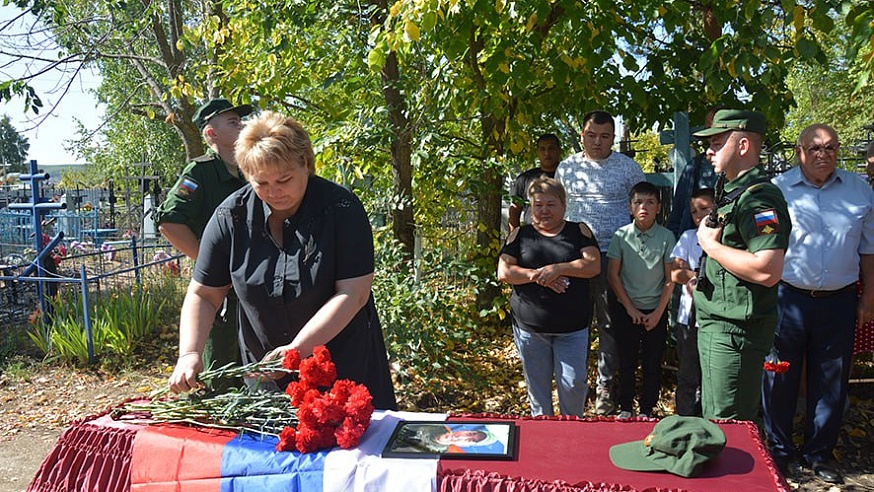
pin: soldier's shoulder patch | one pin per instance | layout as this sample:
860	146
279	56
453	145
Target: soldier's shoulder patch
186	187
767	222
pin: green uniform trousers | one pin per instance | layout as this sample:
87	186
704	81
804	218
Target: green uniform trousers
732	362
223	345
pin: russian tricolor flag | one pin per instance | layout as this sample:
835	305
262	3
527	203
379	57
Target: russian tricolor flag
187	459
768	217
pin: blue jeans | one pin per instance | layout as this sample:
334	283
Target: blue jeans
563	355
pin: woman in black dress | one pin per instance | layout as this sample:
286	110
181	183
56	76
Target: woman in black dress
298	251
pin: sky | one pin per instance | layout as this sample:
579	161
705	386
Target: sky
47	133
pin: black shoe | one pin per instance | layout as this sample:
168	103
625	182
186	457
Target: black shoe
789	467
826	472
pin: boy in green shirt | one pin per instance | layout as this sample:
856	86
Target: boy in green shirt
639	272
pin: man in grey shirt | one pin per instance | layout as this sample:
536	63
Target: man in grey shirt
597	182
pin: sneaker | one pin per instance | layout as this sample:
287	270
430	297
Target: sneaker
603	402
643	415
623	415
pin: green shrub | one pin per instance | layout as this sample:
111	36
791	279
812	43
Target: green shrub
428	319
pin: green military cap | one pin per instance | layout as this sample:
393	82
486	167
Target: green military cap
680	445
215	107
726	120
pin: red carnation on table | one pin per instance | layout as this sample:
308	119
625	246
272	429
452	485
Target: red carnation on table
309	439
287	438
317	373
339	416
349	434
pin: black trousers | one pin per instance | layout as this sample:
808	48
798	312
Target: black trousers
636	344
688	398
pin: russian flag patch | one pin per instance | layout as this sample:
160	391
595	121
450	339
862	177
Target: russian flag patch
766	222
187	187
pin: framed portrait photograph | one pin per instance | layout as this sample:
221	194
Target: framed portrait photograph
466	440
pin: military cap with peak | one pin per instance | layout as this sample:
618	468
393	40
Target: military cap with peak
215	107
726	120
680	445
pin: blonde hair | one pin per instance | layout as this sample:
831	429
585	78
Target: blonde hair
548	186
272	140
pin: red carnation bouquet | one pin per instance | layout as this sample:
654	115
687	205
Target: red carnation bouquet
337	416
316	412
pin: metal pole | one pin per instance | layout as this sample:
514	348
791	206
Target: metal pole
86	307
136	258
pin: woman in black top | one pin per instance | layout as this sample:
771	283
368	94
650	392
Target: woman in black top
548	263
298	251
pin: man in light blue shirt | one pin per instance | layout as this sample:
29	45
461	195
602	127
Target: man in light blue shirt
831	243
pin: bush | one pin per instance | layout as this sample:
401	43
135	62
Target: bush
432	328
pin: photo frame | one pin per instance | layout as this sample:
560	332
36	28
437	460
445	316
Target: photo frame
488	440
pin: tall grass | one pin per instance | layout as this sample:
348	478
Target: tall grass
123	318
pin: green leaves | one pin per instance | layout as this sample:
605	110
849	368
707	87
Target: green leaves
807	49
121	322
13	148
20	88
376	57
860	19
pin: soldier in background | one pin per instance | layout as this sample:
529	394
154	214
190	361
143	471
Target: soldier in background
204	183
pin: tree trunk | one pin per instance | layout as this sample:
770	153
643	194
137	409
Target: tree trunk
712	26
403	224
488	209
192	141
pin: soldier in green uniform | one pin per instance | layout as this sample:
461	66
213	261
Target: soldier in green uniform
736	296
204	183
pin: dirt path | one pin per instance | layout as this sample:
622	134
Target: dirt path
35	409
21	456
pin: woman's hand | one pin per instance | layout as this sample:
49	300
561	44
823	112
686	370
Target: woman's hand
184	377
560	285
195	322
548	274
277	353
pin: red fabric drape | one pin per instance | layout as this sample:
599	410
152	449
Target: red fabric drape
88	457
572	452
554	454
